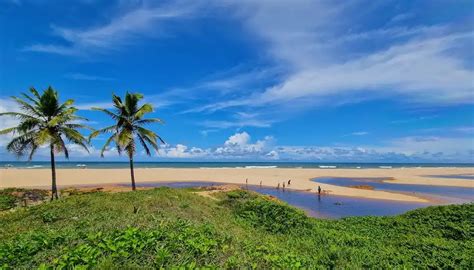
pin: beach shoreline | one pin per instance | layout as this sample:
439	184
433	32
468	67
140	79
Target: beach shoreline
301	179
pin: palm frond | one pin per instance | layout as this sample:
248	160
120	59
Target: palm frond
35	92
75	126
125	137
43	136
28	108
109	113
130	148
146	108
20	144
28	125
8	130
67	104
102	130
150	134
34	147
75	137
107	143
151	142
60	145
143	143
149	121
35	101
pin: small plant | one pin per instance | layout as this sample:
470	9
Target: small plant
7	201
272	216
48	217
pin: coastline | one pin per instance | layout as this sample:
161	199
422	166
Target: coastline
270	177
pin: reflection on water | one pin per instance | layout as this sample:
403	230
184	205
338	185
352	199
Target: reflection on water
332	206
328	206
455	176
445	193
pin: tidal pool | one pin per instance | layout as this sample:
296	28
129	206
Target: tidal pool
455	176
324	206
444	193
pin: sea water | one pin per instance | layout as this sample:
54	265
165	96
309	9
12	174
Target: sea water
240	165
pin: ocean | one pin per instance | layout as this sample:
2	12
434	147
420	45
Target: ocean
243	165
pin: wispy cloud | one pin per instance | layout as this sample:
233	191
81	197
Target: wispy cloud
325	64
415	119
357	133
119	31
418	72
241	119
89	106
402	17
86	77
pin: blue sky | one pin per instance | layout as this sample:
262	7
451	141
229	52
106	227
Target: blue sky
258	80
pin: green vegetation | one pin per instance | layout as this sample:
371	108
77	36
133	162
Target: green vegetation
172	227
44	121
128	127
13	197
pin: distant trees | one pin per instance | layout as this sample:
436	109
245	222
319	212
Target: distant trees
44	121
129	128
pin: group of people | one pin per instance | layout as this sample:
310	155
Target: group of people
284	185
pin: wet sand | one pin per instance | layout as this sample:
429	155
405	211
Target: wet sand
270	177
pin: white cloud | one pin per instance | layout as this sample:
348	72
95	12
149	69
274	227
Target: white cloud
402	17
239	146
419	71
181	151
86	77
119	31
415	145
88	106
328	61
238	139
360	133
7	105
357	133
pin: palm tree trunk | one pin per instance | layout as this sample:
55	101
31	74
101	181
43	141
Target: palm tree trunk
132	173
54	188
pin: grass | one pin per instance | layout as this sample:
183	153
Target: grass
13	197
163	228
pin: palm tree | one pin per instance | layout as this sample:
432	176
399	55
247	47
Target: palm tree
44	121
129	126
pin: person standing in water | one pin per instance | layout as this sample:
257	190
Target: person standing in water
319	190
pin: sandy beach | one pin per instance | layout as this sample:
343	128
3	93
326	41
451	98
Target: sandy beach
301	178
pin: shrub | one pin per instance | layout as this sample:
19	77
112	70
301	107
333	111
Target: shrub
272	216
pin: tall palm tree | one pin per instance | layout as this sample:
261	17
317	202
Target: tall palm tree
44	121
129	126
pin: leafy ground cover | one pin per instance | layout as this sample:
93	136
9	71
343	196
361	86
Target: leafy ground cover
13	197
164	228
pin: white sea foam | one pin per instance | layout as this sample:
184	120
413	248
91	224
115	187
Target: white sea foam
35	167
327	167
260	167
221	167
385	167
